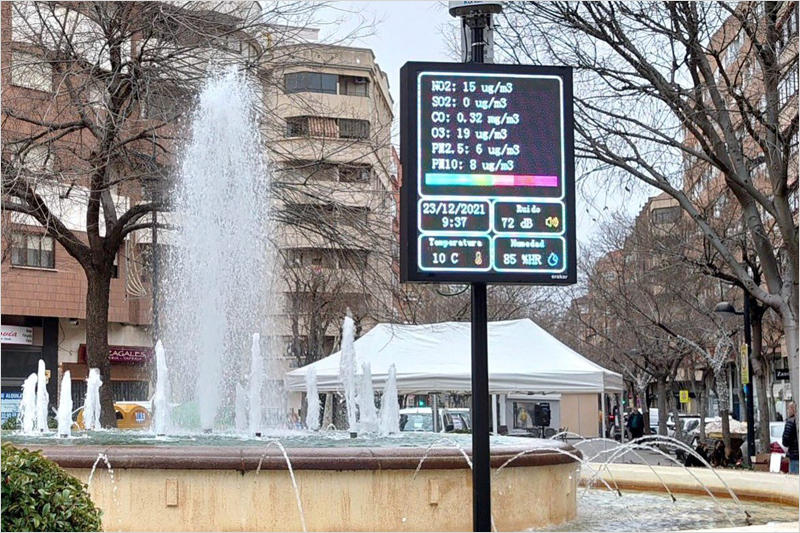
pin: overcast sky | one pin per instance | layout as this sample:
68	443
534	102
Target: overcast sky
415	31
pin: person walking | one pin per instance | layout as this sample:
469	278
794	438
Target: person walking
790	437
636	424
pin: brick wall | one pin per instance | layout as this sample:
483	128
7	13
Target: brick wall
62	292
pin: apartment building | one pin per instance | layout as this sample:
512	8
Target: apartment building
43	287
738	71
329	143
53	110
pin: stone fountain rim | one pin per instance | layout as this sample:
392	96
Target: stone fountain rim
321	458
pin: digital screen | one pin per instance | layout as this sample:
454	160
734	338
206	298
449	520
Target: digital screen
488	174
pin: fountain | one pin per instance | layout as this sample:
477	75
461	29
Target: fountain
217	286
218	281
65	406
91	405
161	406
312	400
390	409
42	399
240	407
347	370
256	381
368	415
27	408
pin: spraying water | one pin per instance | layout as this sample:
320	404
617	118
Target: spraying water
256	382
27	408
161	416
91	405
312	400
65	406
390	409
240	414
42	398
368	421
218	277
347	369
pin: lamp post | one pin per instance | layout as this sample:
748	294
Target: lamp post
727	310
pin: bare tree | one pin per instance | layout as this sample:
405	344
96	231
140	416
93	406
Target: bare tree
668	89
92	121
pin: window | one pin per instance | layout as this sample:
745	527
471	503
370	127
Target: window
734	47
312	82
666	215
355	173
787	87
297	127
353	129
788	30
31	72
353	86
311	127
38	159
353	259
32	251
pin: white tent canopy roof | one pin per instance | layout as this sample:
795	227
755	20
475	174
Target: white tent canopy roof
523	357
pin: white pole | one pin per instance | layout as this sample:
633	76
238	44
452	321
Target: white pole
621	420
503	410
494	414
603	413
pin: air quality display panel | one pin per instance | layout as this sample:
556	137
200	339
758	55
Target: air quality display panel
488	174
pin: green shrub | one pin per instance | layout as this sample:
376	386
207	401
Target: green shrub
38	495
10	424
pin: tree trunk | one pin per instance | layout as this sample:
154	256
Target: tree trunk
661	391
790	332
721	385
702	411
760	377
97	295
673	404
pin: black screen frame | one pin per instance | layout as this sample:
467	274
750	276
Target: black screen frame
409	272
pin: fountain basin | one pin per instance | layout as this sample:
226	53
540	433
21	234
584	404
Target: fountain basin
201	488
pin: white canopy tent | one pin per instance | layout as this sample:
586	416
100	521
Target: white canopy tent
523	357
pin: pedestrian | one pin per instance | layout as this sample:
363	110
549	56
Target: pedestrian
790	437
636	424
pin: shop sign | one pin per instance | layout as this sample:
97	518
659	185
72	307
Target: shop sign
744	364
16	335
684	396
9	405
782	374
123	355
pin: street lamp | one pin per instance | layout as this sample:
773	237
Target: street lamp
726	310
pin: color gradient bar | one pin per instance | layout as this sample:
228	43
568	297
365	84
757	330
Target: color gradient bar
490	180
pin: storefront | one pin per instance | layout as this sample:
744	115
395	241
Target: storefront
25	340
130	373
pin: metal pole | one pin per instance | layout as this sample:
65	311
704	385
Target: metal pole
603	414
481	461
435	413
494	414
751	422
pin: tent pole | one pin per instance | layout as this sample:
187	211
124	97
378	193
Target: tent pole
494	414
603	413
435	413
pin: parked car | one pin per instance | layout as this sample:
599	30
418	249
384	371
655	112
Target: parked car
421	419
130	415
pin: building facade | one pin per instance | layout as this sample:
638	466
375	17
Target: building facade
329	143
